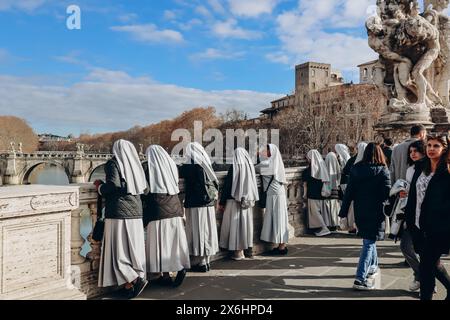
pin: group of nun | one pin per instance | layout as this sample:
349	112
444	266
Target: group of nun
147	231
325	181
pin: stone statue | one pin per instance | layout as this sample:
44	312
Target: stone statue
441	66
413	48
13	146
20	147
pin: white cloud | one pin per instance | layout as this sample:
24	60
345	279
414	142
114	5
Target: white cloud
319	31
278	57
252	8
190	24
216	6
128	17
230	29
149	33
215	54
202	10
169	15
109	100
25	5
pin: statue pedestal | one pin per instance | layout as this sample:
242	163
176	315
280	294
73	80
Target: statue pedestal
441	116
396	123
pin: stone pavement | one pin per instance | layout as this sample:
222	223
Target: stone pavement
316	268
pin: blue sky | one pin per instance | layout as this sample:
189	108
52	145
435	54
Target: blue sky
137	62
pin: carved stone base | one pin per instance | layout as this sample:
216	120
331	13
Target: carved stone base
396	123
441	116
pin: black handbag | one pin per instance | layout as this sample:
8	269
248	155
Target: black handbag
263	195
99	228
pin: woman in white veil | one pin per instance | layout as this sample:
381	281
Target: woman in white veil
238	197
332	203
276	222
123	260
201	193
166	246
314	178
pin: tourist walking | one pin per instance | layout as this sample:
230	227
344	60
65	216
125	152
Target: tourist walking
428	215
314	178
275	226
166	244
122	259
238	197
368	188
416	156
201	193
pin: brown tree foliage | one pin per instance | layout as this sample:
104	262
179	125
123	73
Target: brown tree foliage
159	133
14	129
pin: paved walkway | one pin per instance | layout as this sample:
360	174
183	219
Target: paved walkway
316	268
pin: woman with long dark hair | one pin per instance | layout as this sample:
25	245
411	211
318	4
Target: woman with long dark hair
428	216
416	154
368	187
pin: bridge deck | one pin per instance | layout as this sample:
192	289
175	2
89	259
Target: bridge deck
316	268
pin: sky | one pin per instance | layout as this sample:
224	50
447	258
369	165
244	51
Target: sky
137	62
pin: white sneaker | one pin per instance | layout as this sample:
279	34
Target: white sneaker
323	232
374	274
414	286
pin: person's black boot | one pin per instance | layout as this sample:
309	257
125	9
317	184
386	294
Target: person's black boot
179	278
138	287
248	253
198	268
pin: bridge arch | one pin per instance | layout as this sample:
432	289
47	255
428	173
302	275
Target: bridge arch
28	170
96	173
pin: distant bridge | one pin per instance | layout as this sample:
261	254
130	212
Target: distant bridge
16	167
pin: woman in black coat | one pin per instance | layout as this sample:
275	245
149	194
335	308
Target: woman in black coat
368	187
428	216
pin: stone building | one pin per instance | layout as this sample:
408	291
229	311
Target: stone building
367	72
353	108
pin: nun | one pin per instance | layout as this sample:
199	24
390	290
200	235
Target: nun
275	226
349	222
315	178
332	203
122	259
343	154
166	246
238	198
201	193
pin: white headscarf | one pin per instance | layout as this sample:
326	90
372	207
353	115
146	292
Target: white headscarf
163	172
274	165
343	152
130	166
361	148
196	154
244	177
334	170
318	168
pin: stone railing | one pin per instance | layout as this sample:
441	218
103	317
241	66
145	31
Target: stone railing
86	267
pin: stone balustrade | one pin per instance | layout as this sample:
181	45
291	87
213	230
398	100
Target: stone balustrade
86	267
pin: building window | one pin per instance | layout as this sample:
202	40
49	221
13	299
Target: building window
326	74
352	107
352	123
313	73
363	122
365	72
314	86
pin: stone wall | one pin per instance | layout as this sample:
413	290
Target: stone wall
87	267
